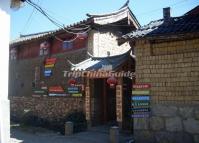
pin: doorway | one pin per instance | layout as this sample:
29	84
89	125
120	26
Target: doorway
103	103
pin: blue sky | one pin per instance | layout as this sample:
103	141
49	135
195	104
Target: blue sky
26	20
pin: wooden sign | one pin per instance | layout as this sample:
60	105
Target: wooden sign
47	72
39	91
141	86
50	63
146	115
141	109
74	90
50	60
36	95
140	101
49	66
141	98
88	103
57	94
77	95
55	89
135	104
141	92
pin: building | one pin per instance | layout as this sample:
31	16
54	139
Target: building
38	63
167	52
4	57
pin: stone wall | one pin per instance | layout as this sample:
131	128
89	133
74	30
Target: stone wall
172	69
51	108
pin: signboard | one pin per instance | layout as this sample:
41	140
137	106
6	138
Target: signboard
49	64
56	91
57	94
77	95
140	101
39	92
141	92
75	91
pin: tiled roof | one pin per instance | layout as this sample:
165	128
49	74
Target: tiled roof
193	11
175	25
31	36
96	63
123	12
25	38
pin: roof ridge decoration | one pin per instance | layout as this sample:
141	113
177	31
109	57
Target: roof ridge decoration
126	4
120	14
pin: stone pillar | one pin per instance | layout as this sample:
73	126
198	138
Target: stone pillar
88	104
4	62
114	134
119	103
68	128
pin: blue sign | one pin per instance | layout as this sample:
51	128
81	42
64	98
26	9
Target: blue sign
140	98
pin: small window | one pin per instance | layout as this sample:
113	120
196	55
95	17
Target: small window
67	45
44	48
13	54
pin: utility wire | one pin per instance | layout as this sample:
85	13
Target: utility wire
152	11
53	20
28	20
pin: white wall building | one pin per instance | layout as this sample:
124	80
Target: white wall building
4	59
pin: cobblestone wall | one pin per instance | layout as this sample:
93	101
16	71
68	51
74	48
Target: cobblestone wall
172	69
51	108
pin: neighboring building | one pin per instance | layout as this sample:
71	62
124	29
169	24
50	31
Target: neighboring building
167	57
95	47
4	57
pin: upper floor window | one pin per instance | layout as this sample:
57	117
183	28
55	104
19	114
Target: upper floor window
67	45
44	48
13	54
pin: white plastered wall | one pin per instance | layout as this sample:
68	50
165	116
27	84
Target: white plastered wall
4	60
100	43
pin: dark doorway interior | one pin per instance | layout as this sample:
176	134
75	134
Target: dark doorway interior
103	103
127	110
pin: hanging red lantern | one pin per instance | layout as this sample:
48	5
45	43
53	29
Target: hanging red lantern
72	82
112	81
